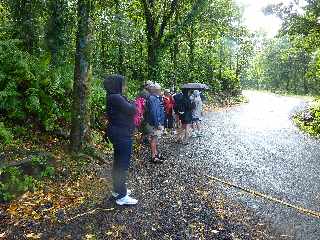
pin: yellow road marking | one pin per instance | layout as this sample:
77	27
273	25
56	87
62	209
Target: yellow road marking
300	209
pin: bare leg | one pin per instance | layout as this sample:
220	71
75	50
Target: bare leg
198	126
154	147
186	132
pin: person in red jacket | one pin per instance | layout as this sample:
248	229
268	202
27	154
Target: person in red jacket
168	108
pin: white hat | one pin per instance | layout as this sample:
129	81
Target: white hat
149	84
156	86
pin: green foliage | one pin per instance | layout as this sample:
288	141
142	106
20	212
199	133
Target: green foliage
193	41
97	102
311	124
13	183
25	16
230	83
290	62
6	136
28	89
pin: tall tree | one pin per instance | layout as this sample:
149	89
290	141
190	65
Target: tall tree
156	26
80	111
57	30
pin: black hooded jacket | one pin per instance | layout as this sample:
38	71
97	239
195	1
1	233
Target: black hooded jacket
120	111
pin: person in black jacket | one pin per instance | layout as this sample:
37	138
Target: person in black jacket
120	114
186	115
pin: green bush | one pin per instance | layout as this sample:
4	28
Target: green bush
97	102
29	88
13	181
230	83
310	125
5	135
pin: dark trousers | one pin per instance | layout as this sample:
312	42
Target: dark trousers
168	121
121	162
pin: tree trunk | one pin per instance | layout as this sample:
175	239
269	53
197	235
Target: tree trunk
80	111
153	46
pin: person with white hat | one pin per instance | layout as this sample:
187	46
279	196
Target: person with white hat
155	121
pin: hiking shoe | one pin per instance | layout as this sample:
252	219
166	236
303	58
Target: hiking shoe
160	157
115	195
127	200
156	160
185	142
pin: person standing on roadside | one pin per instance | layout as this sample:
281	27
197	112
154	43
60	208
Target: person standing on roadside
196	112
186	115
177	97
155	122
120	114
168	107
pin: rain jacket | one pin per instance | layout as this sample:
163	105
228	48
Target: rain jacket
186	106
155	111
168	104
120	112
196	100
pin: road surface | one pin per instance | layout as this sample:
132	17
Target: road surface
257	146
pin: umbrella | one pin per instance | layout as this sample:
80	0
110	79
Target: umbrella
195	86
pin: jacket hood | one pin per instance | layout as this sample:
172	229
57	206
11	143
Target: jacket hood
185	92
113	84
196	93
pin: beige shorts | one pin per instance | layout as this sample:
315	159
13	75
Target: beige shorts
153	132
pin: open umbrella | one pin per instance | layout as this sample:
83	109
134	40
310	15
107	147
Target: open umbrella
200	86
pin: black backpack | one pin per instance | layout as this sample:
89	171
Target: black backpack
179	103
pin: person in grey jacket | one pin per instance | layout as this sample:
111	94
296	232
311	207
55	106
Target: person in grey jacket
197	111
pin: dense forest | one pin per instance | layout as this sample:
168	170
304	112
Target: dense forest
54	55
289	62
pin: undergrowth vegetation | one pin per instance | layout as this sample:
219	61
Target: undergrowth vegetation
14	180
309	120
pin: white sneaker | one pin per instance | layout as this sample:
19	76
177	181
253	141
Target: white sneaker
114	194
127	200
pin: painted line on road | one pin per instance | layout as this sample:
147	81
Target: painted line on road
300	209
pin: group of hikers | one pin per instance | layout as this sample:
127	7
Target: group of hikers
153	113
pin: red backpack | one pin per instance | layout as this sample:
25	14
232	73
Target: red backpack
140	109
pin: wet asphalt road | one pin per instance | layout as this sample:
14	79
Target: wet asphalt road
257	146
